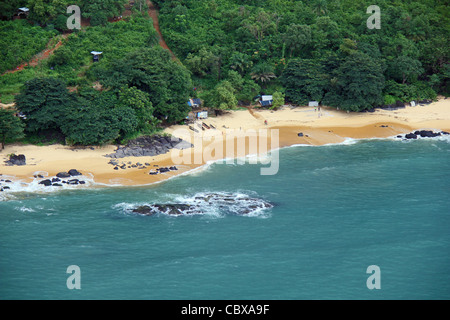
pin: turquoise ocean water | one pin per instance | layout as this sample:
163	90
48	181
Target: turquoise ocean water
337	210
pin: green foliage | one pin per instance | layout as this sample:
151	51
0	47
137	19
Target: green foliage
45	102
297	37
19	42
153	71
359	84
90	124
411	45
140	102
305	80
222	97
203	63
388	99
11	128
278	100
43	11
263	73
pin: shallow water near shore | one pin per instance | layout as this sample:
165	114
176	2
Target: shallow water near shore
337	209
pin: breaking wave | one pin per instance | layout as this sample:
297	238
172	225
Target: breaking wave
214	204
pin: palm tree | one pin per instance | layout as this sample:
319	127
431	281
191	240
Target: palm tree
240	62
320	7
263	73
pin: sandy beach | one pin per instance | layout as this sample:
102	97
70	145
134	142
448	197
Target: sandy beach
318	128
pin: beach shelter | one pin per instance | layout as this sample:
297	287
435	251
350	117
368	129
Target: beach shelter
22	13
266	100
202	115
96	55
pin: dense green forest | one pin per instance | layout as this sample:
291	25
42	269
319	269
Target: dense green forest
228	52
313	50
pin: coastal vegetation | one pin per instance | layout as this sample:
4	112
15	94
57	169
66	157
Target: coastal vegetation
315	50
228	52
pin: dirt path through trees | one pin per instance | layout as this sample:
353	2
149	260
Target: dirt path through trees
153	13
40	56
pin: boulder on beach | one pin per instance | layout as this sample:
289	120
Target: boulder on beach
16	160
149	146
74	173
63	175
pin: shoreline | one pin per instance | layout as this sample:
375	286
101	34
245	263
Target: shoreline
329	127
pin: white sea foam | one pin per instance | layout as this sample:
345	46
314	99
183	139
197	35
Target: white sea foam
17	187
25	209
211	204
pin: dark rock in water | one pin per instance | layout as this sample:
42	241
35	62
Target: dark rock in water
144	210
445	132
399	136
73	182
411	136
116	168
57	185
6	188
205	203
63	175
170	208
16	160
300	134
82	182
173	209
427	133
56	180
8	181
46	183
164	169
74	173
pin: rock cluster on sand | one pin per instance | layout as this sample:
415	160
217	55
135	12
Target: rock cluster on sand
149	146
423	134
163	169
16	160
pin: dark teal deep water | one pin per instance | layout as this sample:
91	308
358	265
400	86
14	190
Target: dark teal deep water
338	209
